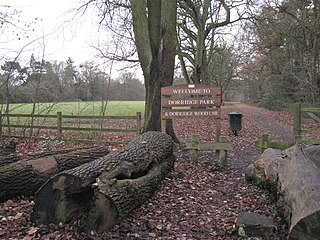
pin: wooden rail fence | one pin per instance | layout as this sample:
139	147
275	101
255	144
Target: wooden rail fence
265	143
58	124
300	114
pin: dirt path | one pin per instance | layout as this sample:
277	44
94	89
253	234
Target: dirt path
255	122
277	129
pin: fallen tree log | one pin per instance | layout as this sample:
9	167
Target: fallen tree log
26	176
8	152
295	181
15	157
107	189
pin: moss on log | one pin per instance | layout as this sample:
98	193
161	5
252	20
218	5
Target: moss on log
109	188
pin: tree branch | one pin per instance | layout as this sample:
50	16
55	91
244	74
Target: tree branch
215	25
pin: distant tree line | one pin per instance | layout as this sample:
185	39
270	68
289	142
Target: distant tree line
44	81
282	59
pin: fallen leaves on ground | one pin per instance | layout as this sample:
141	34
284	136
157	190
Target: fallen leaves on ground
193	202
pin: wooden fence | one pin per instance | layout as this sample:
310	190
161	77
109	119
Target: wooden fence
300	114
60	123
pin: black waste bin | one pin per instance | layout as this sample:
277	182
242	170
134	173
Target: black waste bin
235	122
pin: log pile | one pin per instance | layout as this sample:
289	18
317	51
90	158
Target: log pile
106	190
23	175
294	180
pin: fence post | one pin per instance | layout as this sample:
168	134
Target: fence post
1	117
264	141
138	123
59	125
297	120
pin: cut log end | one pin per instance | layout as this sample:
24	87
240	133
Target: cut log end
103	213
57	204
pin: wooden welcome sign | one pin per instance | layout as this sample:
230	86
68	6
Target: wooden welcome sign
191	100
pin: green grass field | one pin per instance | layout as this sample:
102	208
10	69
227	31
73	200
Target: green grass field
114	108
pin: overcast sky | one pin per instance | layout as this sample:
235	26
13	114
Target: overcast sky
48	18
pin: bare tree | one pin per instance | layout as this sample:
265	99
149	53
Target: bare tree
198	38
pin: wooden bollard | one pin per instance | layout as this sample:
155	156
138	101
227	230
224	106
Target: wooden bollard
223	152
194	147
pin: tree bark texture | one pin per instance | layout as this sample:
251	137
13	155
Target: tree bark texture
8	146
295	180
108	189
8	152
25	177
9	158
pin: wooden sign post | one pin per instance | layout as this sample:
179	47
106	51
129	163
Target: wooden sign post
190	100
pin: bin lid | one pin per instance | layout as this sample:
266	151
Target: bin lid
235	113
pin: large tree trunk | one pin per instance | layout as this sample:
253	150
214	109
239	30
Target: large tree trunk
25	177
295	180
107	189
154	26
167	52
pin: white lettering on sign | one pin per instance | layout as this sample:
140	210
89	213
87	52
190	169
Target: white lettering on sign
183	102
191	91
177	114
189	113
207	101
200	101
205	113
